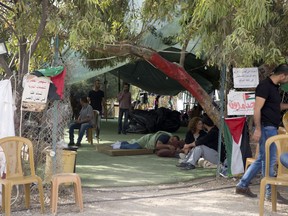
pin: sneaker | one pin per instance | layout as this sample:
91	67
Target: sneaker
245	191
200	162
181	164
78	144
71	144
182	155
188	166
181	161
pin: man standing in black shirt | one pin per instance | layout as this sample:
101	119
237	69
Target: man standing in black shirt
96	99
267	117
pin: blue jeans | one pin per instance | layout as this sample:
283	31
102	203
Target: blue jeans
82	128
122	112
259	163
126	145
284	159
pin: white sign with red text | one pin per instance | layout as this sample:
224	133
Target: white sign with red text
240	103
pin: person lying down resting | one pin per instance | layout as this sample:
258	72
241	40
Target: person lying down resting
165	144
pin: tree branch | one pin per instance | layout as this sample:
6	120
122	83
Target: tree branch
7	7
183	53
10	26
174	71
13	60
42	26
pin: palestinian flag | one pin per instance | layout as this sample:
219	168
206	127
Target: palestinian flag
233	130
249	95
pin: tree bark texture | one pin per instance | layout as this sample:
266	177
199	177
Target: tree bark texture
5	66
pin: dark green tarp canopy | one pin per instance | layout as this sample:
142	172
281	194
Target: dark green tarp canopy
144	75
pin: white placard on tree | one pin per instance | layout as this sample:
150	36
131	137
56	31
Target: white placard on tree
35	93
245	77
240	103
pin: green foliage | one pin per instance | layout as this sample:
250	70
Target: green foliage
237	32
101	23
240	32
20	28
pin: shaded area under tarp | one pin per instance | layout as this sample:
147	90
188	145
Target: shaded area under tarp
162	119
144	75
101	170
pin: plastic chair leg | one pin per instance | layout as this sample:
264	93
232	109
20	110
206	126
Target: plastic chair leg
78	193
8	190
262	196
27	195
75	194
54	199
3	197
274	197
53	194
90	135
246	166
41	195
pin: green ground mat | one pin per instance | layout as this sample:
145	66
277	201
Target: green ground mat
101	170
107	149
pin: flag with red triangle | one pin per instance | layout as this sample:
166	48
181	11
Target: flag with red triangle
233	129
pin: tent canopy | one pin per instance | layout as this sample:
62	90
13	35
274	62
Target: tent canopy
144	75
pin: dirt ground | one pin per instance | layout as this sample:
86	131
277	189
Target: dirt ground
207	196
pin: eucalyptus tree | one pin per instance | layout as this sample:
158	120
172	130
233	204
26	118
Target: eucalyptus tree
23	27
232	32
241	33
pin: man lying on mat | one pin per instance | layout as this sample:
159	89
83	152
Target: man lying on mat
165	144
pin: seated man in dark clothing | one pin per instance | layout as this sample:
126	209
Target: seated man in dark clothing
206	147
84	121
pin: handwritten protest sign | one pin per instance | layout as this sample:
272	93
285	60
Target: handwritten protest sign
35	93
245	77
240	103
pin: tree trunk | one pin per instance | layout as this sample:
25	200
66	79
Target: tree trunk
5	66
172	70
178	73
183	53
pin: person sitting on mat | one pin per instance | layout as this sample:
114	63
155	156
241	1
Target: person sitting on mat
195	131
206	147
